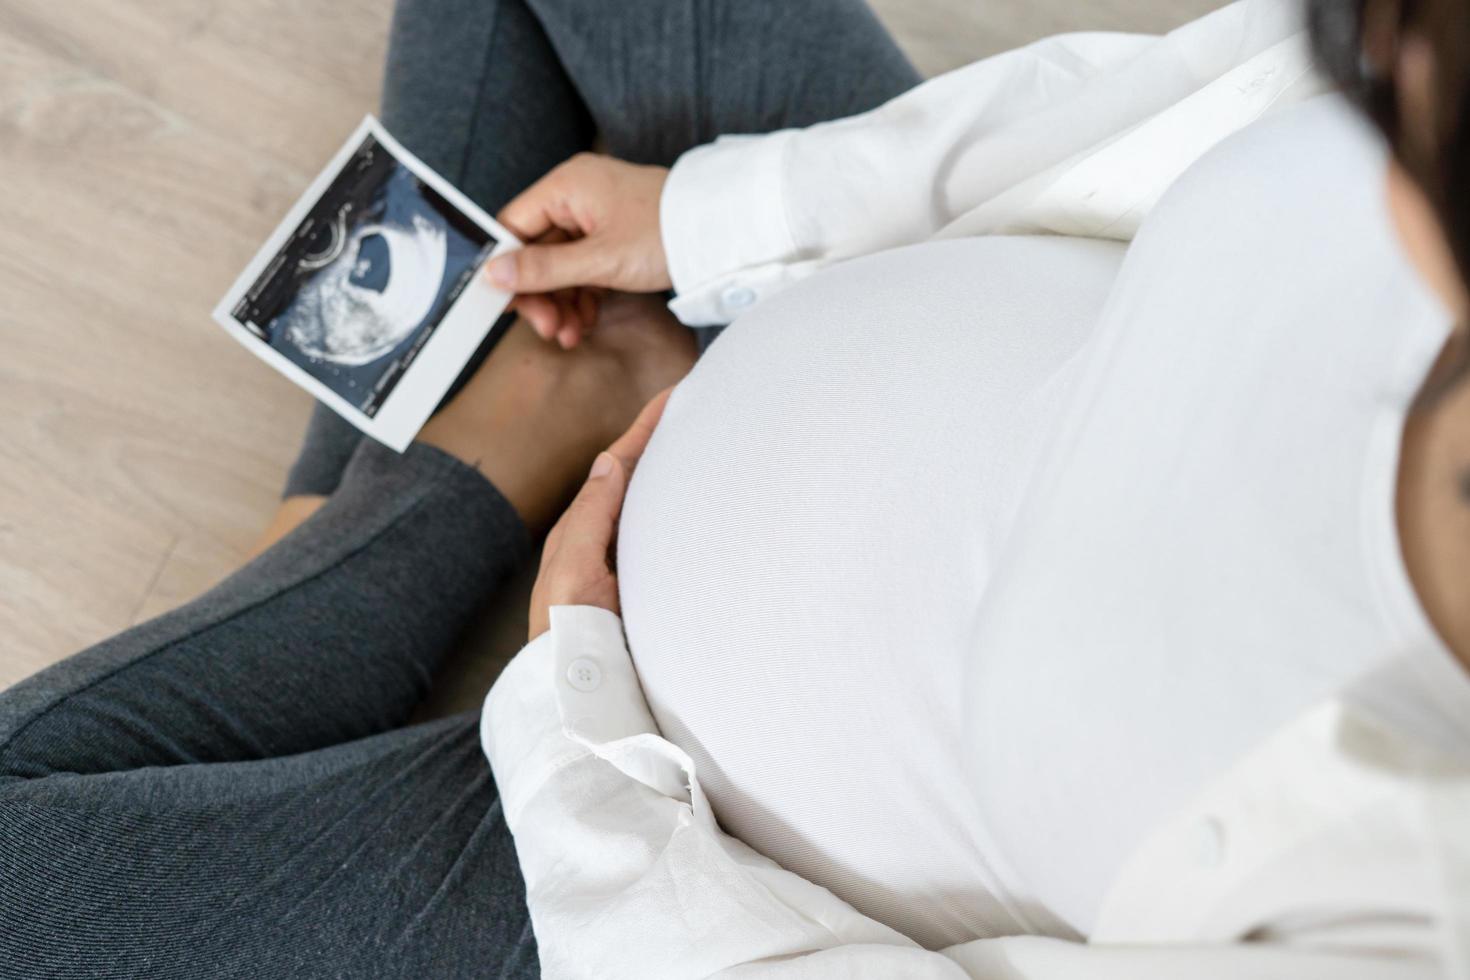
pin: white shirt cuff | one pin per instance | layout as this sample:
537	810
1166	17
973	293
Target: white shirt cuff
723	217
569	693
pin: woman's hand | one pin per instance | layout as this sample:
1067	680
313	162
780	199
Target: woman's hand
577	561
591	222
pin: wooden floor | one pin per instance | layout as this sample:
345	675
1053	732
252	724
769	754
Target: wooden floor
146	147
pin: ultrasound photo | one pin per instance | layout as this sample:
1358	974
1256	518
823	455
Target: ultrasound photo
368	294
357	291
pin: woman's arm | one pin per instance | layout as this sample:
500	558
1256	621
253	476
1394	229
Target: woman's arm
1077	134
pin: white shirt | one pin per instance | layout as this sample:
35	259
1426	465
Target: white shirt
628	874
957	568
808	542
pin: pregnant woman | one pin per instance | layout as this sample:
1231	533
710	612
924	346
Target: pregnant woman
1057	570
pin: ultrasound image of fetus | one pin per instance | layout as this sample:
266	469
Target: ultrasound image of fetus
366	278
383	283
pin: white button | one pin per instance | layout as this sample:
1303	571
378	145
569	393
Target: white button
1209	843
738	297
584	674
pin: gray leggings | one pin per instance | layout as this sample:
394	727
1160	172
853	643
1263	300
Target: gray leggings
233	789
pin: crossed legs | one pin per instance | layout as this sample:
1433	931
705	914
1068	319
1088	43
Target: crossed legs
233	789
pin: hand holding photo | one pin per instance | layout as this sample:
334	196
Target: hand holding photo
366	294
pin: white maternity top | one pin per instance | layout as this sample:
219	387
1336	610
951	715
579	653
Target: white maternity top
958	568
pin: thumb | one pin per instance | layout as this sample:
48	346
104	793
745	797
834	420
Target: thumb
592	518
544	268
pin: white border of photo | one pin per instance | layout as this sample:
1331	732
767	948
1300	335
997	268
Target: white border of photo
465	324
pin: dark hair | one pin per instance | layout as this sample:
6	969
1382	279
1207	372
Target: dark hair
1336	27
1439	161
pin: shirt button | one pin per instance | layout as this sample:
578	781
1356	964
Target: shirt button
584	674
738	297
1209	843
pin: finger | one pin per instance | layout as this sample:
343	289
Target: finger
630	445
588	526
579	315
588	305
541	312
544	268
555	237
571	315
548	203
531	213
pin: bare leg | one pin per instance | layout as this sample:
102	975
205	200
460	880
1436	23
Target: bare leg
288	516
583	399
530	396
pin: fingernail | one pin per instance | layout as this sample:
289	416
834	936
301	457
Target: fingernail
601	466
502	271
567	337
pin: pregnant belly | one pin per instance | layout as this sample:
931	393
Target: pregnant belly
806	540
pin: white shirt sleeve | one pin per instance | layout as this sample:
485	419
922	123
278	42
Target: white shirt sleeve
628	875
1077	134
